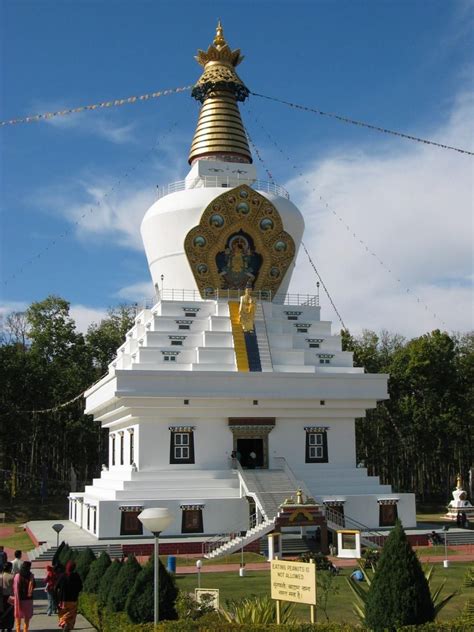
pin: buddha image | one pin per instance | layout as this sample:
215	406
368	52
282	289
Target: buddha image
238	264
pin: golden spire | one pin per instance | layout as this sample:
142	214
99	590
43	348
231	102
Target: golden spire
219	40
220	133
458	482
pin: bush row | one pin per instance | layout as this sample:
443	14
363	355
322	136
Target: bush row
118	622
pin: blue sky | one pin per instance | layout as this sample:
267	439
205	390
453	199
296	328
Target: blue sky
405	65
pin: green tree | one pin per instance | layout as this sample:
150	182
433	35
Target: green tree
123	584
140	601
96	572
399	593
107	581
84	561
106	337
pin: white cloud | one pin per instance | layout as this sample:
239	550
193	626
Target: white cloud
138	292
85	316
98	123
412	205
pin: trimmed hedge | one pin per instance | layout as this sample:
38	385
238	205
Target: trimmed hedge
140	601
96	571
106	621
107	582
123	584
84	561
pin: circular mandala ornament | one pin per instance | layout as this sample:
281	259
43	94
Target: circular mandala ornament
266	224
280	246
216	220
243	208
199	241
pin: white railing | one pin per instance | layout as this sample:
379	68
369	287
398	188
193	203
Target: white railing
225	182
301	300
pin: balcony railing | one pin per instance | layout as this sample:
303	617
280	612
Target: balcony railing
308	300
225	182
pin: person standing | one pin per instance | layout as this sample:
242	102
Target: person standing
6	615
51	579
23	587
3	558
16	563
68	588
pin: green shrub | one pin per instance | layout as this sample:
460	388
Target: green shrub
123	584
107	581
84	561
140	601
399	593
57	554
322	562
187	607
258	610
96	571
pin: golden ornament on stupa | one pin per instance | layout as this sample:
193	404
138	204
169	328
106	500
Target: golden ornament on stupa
220	133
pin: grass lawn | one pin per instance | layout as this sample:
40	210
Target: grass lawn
227	559
431	513
340	603
18	540
436	550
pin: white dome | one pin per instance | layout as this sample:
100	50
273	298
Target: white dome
167	222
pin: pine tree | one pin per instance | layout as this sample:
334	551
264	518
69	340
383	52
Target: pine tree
96	571
399	593
107	581
123	584
140	602
84	561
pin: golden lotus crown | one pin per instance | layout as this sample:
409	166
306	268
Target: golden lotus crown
219	51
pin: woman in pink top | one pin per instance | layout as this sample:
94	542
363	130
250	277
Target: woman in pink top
23	586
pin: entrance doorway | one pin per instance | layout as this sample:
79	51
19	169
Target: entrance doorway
251	452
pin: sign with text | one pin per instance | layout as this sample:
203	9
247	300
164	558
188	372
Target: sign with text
210	596
293	581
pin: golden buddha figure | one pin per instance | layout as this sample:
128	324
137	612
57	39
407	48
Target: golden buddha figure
247	309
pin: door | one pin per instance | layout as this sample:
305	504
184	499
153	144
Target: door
251	452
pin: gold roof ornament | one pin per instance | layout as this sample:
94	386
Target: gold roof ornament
458	482
220	133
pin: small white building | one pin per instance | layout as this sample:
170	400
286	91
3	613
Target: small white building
217	423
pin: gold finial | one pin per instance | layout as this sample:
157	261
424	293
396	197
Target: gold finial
219	39
299	497
458	482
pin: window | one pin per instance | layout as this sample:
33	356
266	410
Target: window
184	324
192	520
184	327
132	447
182	445
314	345
113	449
130	524
324	361
292	317
176	343
316	445
387	514
302	330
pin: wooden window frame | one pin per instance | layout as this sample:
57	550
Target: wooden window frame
124	530
317	445
383	520
176	443
199	528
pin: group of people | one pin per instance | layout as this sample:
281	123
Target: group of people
17	583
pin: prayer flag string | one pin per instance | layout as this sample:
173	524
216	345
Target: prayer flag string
95	106
346	119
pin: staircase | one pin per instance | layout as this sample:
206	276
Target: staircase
269	488
237	543
456	538
368	537
45	553
262	339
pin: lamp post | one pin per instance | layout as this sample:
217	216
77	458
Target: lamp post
156	520
445	562
199	566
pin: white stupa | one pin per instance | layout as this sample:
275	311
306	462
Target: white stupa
460	504
218	415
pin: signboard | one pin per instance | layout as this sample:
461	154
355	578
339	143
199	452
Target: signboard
293	581
209	595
